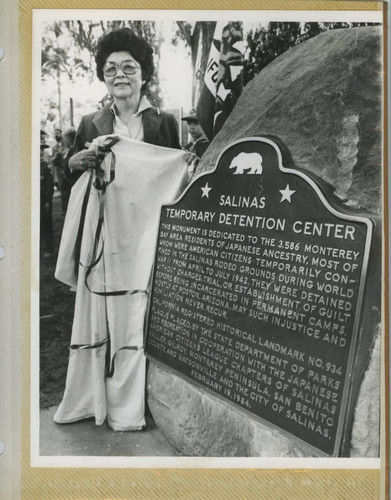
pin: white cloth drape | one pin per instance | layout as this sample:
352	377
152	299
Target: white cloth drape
145	177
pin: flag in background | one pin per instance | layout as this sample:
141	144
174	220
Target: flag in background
223	80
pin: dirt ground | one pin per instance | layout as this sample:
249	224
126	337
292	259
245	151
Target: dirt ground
56	315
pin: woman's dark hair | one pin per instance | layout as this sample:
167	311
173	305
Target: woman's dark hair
125	39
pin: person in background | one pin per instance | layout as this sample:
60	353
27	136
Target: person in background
47	188
57	163
67	183
45	155
199	142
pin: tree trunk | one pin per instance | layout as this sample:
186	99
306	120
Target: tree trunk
71	111
59	97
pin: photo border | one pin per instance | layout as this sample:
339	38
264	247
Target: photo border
79	481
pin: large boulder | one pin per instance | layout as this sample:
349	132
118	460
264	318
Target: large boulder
323	100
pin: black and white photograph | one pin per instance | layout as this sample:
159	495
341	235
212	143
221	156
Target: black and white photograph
209	263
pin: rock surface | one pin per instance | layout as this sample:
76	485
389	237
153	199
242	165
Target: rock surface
198	424
366	426
323	100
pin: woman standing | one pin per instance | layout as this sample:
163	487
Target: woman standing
125	64
117	226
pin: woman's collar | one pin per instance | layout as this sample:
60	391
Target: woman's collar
142	106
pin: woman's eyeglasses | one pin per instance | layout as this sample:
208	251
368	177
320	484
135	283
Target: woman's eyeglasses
128	67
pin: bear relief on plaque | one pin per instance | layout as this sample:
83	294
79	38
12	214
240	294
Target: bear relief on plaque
249	163
257	292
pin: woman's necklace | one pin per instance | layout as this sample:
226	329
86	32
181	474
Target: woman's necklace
133	124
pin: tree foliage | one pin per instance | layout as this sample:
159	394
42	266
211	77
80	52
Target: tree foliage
56	56
86	34
68	56
264	44
69	48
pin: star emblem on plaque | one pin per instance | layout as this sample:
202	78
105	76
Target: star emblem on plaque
205	191
286	194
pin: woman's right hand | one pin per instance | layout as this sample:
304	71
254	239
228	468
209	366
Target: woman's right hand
84	160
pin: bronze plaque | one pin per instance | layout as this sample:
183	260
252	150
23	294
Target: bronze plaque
257	291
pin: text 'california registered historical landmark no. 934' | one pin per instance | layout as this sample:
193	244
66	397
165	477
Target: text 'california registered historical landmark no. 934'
257	292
